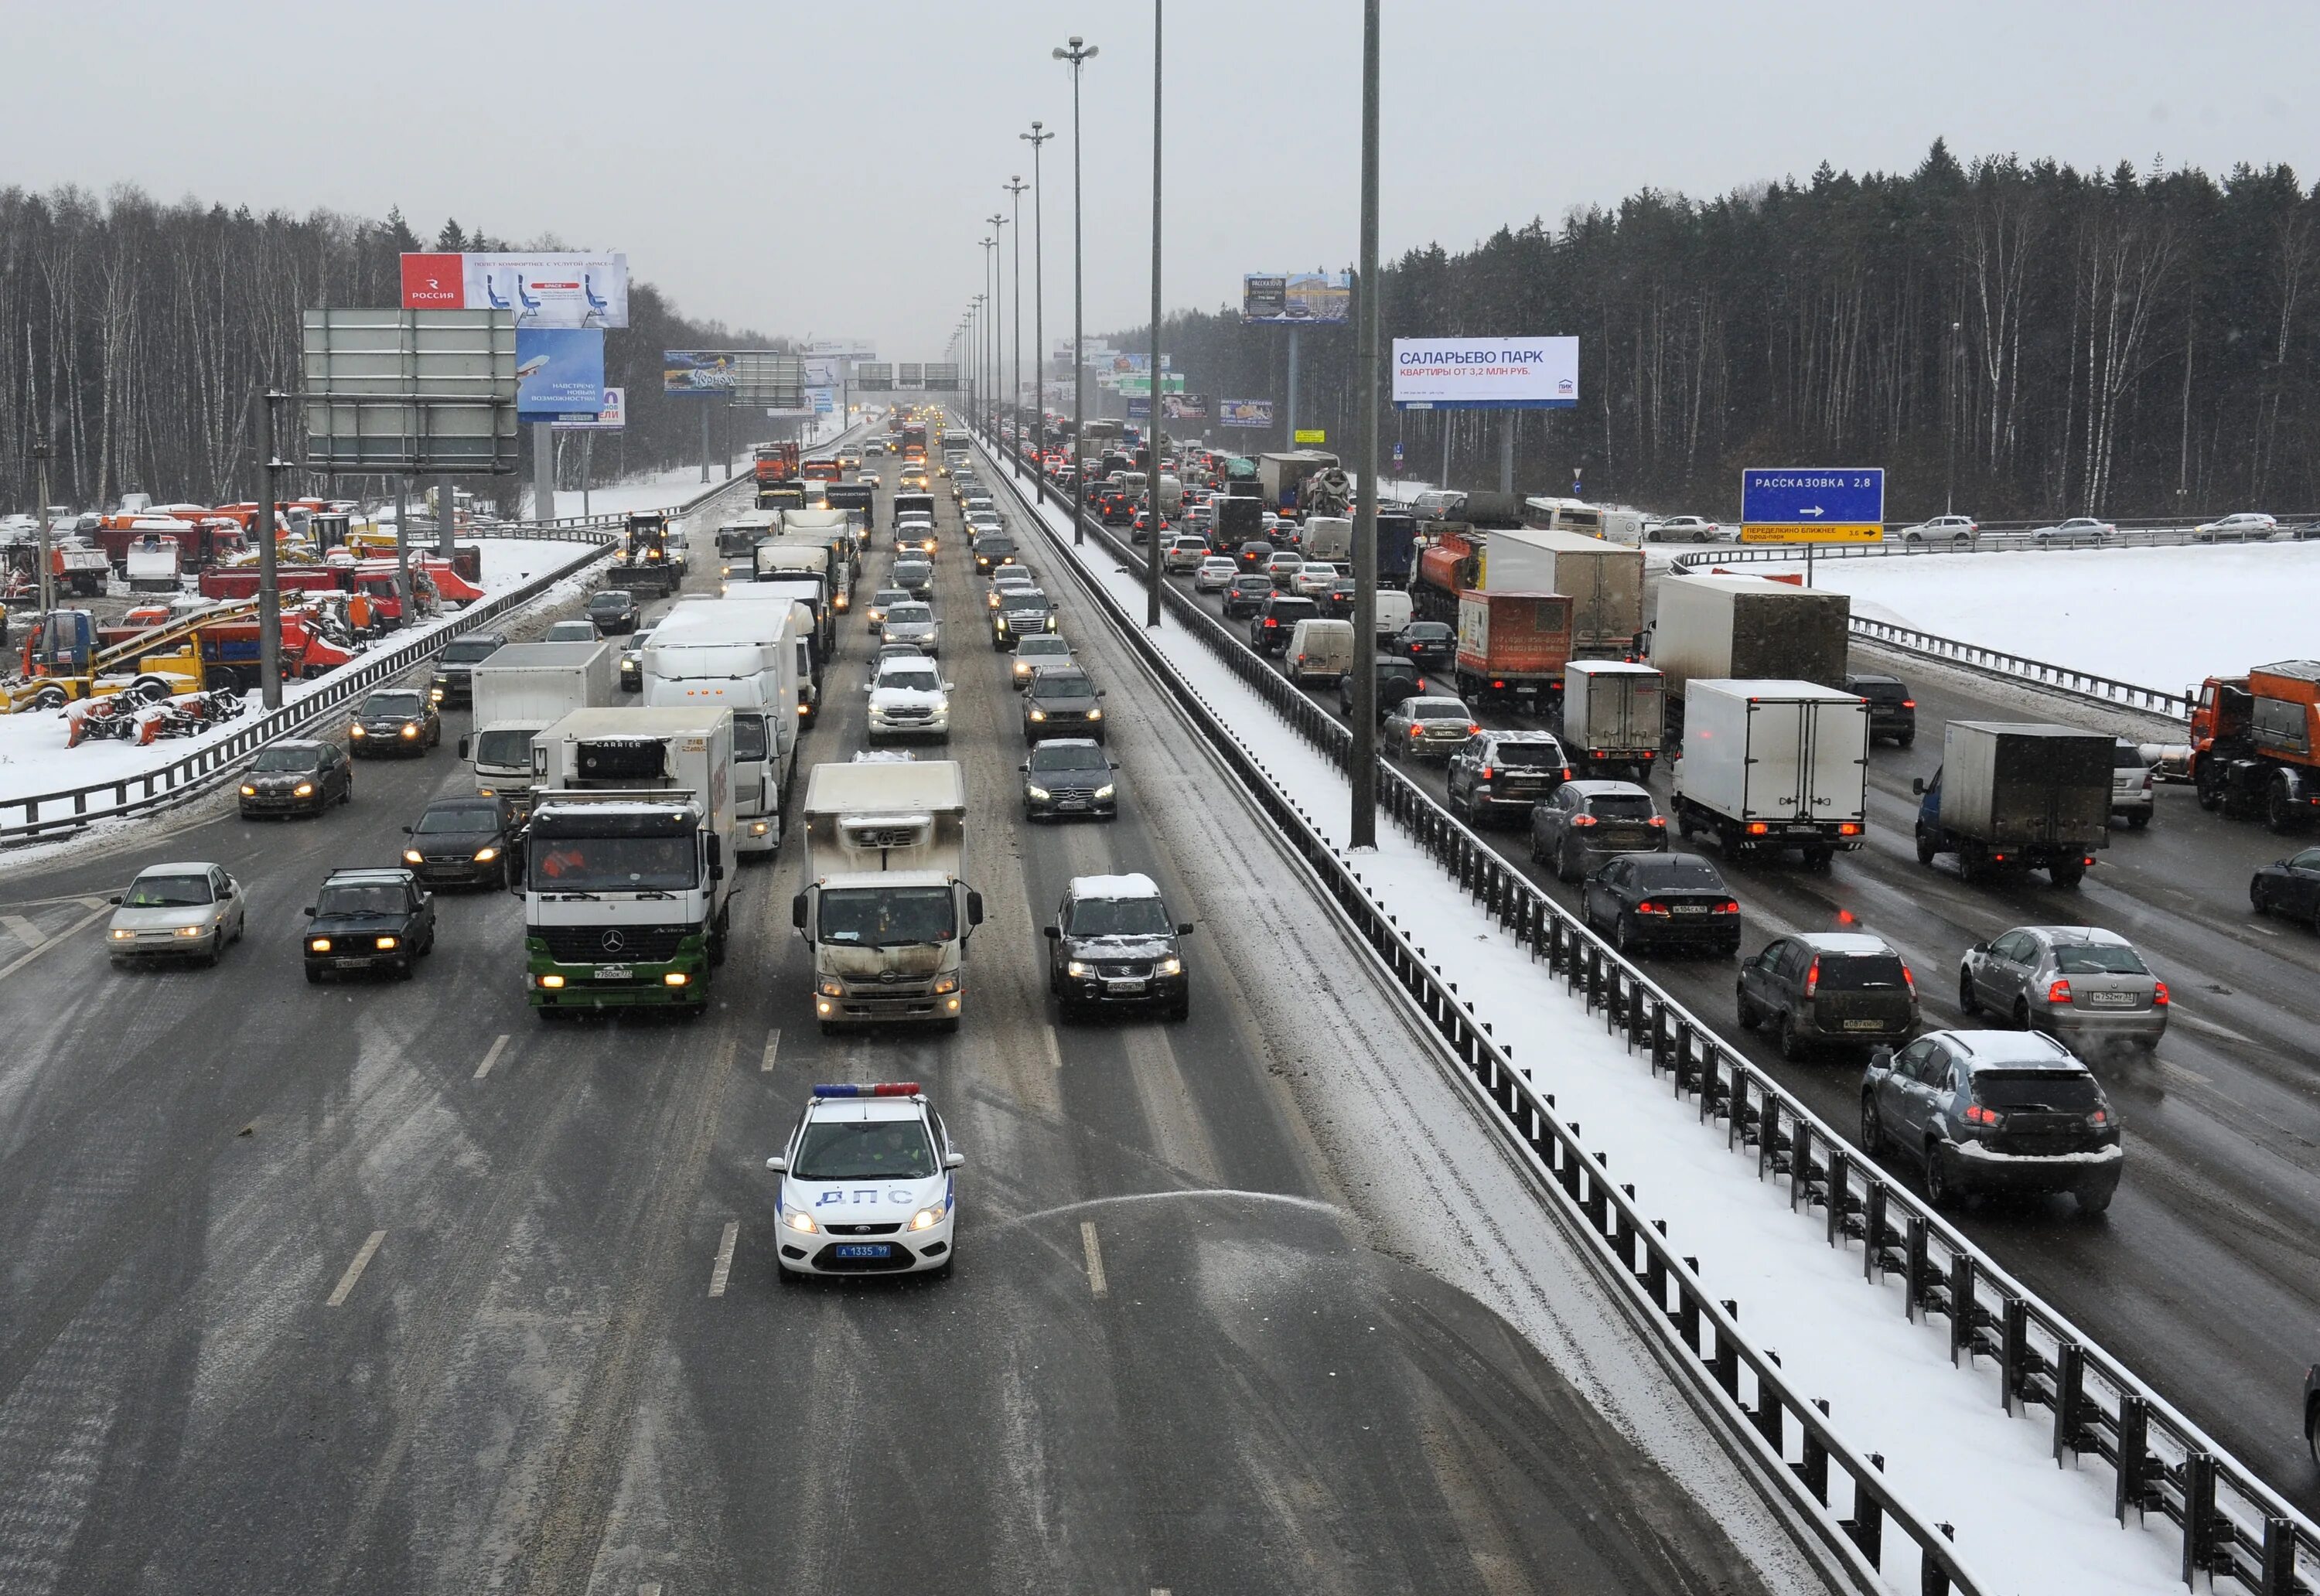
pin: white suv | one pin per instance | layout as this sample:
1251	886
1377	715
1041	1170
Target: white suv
1942	529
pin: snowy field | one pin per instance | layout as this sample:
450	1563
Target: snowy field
2160	618
1950	1452
34	757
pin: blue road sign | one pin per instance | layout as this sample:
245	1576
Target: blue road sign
1812	504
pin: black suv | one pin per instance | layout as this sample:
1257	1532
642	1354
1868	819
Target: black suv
1070	775
1276	618
1247	593
368	919
1061	702
2034	1117
1397	679
1892	713
1021	612
1588	822
396	720
466	840
454	683
613	609
1502	772
297	778
1831	987
1112	945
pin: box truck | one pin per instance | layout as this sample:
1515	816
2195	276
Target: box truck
1612	717
627	895
709	652
1771	765
885	914
1512	647
1746	629
520	690
2017	795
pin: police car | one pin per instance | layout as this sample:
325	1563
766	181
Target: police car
867	1186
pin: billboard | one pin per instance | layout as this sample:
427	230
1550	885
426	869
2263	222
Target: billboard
875	376
540	290
1184	407
842	349
1485	373
706	372
1141	410
1244	412
404	390
822	400
821	371
612	417
1139	384
942	375
1298	299
558	371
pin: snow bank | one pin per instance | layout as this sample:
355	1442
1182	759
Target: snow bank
1950	1450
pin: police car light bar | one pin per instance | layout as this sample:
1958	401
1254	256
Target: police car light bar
873	1089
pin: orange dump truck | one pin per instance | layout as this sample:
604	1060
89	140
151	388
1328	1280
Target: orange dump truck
2255	743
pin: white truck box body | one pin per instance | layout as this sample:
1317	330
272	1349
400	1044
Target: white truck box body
746	658
525	687
1611	705
1748	628
876	829
1603	581
1328	536
1775	751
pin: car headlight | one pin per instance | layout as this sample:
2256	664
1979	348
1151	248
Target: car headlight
1038	714
483	856
435	694
356	732
927	1219
388	944
551	982
798	1220
1103	792
303	790
411	857
121	934
248	791
1076	967
1095	715
191	930
830	986
1172	966
319	945
1041	793
410	728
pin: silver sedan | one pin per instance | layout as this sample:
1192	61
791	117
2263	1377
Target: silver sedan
182	911
2086	986
1428	729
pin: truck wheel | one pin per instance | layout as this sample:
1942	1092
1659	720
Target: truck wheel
2138	821
1925	849
2066	875
1819	859
2278	809
2210	790
1970	866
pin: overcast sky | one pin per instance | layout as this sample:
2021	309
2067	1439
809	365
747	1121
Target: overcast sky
798	174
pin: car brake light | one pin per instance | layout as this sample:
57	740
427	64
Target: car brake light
1758	829
1651	906
1418	732
1847	828
1975	1114
1477	732
1582	819
2099	1119
2059	992
1909	703
2158	995
2087	860
1729	906
1812	978
1488	774
1911	980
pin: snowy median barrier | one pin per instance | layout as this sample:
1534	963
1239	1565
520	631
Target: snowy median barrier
1923	1302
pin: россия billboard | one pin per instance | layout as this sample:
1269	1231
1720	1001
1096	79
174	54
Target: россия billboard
1298	299
1244	412
1485	373
538	290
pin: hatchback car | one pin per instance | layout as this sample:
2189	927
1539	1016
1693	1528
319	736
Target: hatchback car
1062	701
867	1185
1431	645
2083	983
2289	888
1427	727
1247	595
881	601
1832	988
463	841
184	910
1892	712
1256	555
2131	798
632	661
914	623
612	609
1647	902
1070	775
570	631
1113	946
1036	653
1684	529
913	576
2245	527
1501	772
1585	822
1276	618
1993	1110
1214	574
297	778
1397	679
1140	528
368	919
396	720
1021	612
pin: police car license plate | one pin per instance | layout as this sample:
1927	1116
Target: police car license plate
866	1249
616	971
1116	985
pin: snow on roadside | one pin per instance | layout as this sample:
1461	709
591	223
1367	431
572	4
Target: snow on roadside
1950	1449
34	757
2162	618
665	490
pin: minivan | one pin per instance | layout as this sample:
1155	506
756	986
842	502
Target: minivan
1320	650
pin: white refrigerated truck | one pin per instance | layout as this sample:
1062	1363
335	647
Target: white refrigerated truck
715	652
1769	766
521	689
1612	717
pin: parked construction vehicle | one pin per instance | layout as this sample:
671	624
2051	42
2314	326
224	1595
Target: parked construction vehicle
2253	748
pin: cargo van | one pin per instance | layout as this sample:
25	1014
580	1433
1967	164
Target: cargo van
1393	611
1319	650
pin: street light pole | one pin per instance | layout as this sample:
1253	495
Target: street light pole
1361	830
1016	185
1159	441
1078	55
269	588
1035	138
40	486
1957	346
998	322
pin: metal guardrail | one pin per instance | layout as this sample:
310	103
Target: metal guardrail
1988	540
2038	672
2234	1527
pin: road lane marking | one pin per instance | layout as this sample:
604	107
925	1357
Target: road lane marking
82	924
648	1590
724	1269
773	1050
29	934
1096	1287
355	1270
1055	1048
491	1057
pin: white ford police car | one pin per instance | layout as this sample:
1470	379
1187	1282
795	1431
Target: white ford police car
868	1183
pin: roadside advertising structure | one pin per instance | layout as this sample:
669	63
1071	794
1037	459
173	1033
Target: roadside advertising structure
1184	407
540	290
1298	299
697	371
1244	412
559	371
611	417
1485	373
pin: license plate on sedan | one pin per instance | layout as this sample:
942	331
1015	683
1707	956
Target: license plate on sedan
866	1249
1690	909
2110	1000
348	964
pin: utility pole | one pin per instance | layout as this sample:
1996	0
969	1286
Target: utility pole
447	517
543	471
1035	138
1289	439
1159	439
1957	347
998	325
1078	55
1016	185
269	587
403	544
41	485
1507	453
1360	829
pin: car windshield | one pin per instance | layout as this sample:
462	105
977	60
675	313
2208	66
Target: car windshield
610	600
612	864
307	758
2054	1090
2126	756
749	737
467	818
887	917
1011	600
1528	756
1679	871
890	595
1065	756
389	706
1438	709
1620	806
907	613
1060	683
916	678
377	898
864	1150
2097	958
168	892
468	650
1043	645
1861	972
1120	917
1426	631
909	571
505	750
